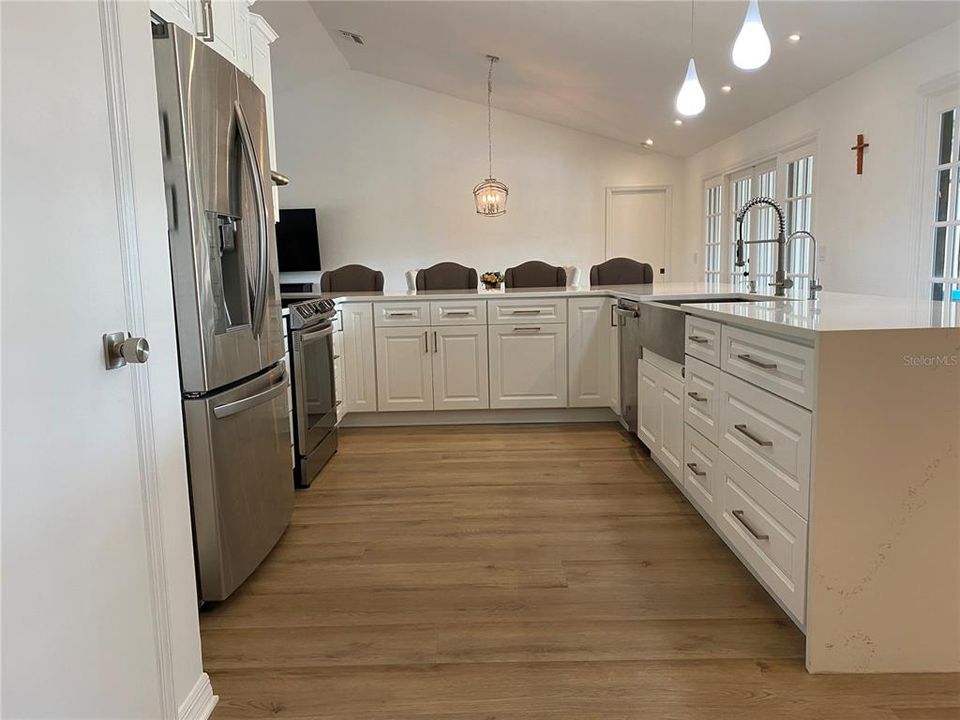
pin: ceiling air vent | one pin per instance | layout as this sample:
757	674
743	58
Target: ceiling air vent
353	37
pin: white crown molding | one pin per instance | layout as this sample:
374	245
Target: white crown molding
201	701
127	227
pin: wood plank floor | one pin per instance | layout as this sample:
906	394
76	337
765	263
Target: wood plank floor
505	572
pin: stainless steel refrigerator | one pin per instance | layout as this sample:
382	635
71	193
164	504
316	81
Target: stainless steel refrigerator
226	297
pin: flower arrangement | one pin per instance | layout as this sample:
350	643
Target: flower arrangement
492	280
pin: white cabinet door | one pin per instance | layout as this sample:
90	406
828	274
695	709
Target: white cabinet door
588	346
613	357
588	338
230	25
359	371
261	36
460	378
648	405
528	366
404	369
670	450
660	417
186	14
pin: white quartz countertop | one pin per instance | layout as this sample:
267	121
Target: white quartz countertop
831	312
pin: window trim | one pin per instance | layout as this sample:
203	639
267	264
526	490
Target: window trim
935	98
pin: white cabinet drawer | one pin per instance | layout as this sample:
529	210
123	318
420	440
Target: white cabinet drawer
770	537
701	474
701	398
398	314
702	339
458	312
543	310
769	437
528	366
782	367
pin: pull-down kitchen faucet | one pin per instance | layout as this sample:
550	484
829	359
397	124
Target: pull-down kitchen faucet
782	281
814	282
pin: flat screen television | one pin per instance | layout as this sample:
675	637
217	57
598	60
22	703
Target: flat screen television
298	244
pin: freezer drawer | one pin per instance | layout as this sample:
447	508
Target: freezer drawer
241	484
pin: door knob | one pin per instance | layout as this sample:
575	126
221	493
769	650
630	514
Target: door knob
120	348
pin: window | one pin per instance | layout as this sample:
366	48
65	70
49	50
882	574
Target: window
798	205
788	178
713	229
941	201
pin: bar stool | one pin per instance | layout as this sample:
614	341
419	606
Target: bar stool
351	278
535	274
447	276
621	271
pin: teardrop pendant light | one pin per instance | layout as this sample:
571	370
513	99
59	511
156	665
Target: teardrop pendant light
691	100
752	48
490	195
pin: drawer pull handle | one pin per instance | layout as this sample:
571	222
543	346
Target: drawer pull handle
336	357
695	470
526	329
338	403
738	514
759	363
393	313
759	441
698	339
456	313
525	312
697	396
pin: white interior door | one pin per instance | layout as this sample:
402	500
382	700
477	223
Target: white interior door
94	603
637	226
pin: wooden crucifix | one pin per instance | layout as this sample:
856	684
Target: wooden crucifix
860	147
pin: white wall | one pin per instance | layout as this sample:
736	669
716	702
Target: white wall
391	167
868	223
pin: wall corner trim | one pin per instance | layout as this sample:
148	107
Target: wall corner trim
201	701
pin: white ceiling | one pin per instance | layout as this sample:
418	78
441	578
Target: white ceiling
613	68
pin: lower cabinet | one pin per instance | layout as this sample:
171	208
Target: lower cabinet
528	365
660	417
460	378
404	369
359	370
588	338
422	368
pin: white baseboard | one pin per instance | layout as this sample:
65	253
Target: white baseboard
201	701
477	417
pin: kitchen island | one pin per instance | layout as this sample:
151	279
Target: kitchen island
818	438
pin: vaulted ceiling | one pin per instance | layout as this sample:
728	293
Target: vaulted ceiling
613	68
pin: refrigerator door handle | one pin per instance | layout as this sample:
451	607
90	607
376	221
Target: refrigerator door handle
263	273
239	406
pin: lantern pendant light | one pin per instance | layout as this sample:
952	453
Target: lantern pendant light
752	48
690	99
491	194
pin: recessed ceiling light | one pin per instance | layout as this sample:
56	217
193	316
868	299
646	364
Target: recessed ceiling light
726	88
678	122
648	142
795	38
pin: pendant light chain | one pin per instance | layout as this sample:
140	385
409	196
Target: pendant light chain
691	27
490	118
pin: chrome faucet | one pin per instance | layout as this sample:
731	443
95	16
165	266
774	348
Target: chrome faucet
814	282
782	283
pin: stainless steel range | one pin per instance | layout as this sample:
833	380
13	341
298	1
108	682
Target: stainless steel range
314	392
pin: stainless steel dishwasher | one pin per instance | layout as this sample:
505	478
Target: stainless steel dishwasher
628	318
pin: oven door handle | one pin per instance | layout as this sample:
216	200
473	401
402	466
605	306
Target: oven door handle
312	335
